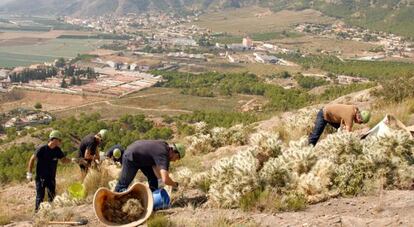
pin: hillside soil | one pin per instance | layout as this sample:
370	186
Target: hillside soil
391	208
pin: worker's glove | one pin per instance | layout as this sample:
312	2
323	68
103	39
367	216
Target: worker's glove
160	184
29	176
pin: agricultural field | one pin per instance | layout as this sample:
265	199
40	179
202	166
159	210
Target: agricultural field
21	48
314	44
50	101
223	66
258	20
21	55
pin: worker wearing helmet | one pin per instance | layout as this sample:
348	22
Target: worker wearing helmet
115	153
153	158
89	150
47	157
337	115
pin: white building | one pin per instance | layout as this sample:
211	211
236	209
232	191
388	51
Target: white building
184	42
263	58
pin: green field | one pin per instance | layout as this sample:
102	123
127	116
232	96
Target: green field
23	55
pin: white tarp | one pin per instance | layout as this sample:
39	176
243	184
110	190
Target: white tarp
386	126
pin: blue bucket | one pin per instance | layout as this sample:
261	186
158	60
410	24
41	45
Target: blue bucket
161	199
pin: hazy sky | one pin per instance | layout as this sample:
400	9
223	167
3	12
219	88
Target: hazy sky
2	2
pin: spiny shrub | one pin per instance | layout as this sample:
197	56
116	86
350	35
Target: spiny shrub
301	121
266	145
205	141
183	175
233	177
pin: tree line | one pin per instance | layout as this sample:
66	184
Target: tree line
213	84
27	74
373	70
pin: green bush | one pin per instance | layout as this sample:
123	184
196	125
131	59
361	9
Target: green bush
13	162
397	89
280	99
293	202
38	106
124	131
270	201
373	70
309	82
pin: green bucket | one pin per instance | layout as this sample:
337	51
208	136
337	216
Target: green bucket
77	190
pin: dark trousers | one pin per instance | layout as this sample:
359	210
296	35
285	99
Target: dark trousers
320	125
41	186
129	170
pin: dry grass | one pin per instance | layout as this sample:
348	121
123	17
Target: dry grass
49	101
243	21
313	44
172	99
96	179
158	102
256	68
66	175
159	220
403	111
5	218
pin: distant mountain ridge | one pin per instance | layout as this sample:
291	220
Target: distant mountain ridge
388	15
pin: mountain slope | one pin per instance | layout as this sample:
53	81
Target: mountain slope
389	15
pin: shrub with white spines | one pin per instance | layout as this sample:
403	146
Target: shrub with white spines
405	176
200	127
233	177
324	169
183	175
338	147
303	120
65	200
199	144
275	173
201	180
392	154
316	184
299	157
341	163
205	141
350	175
237	134
45	213
266	145
218	136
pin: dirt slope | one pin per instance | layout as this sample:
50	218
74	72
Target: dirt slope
393	208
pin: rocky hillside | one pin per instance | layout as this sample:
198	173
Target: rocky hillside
388	15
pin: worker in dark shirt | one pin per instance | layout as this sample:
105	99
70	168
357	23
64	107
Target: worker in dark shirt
115	153
47	157
153	158
89	150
